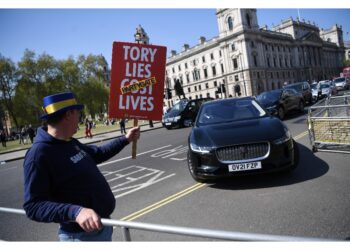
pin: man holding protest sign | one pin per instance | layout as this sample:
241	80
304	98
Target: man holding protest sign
137	82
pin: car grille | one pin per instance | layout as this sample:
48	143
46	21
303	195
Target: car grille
243	152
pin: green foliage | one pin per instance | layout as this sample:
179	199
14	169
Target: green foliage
346	63
42	75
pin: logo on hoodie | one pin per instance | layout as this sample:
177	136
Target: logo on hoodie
79	156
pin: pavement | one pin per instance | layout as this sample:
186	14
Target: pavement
19	154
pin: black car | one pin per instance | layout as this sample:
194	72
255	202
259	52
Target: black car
303	88
237	137
183	113
280	102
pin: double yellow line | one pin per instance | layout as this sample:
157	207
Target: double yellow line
163	202
176	196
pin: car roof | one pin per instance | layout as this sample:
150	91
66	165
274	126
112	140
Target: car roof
229	100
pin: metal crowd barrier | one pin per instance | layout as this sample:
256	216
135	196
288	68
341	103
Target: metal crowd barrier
186	231
329	125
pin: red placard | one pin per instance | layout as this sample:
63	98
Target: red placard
137	81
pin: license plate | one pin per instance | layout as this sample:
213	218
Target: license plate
244	166
168	123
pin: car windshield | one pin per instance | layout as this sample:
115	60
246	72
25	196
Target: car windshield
181	105
324	86
230	110
297	87
314	86
269	96
341	79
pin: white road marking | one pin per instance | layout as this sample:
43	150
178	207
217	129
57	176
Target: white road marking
125	158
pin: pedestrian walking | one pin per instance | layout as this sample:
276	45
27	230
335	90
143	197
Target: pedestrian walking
22	136
122	126
31	133
88	127
62	182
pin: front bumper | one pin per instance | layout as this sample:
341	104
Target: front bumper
208	167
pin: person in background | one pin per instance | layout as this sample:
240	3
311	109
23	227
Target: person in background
122	126
62	182
31	133
88	127
3	138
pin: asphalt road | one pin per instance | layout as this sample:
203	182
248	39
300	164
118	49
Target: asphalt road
157	188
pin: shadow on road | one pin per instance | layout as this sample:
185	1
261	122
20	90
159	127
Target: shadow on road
310	167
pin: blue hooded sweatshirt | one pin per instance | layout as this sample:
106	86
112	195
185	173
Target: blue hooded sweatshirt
60	177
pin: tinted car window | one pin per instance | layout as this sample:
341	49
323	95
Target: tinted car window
297	87
232	110
271	95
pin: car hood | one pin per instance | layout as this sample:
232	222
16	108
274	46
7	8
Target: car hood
239	132
268	103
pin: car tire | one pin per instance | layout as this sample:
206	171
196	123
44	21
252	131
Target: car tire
280	113
191	162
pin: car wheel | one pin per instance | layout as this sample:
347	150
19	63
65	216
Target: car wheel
192	163
281	113
301	107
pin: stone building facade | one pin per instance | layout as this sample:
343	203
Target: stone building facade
247	59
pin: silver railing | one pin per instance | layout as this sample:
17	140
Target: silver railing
186	231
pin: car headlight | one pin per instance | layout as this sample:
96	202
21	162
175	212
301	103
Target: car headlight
199	149
286	137
176	118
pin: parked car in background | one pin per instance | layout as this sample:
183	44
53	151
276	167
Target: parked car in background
237	136
341	83
280	102
315	90
327	88
302	88
183	113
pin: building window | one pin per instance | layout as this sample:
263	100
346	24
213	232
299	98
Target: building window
235	65
268	62
236	78
179	66
173	70
215	84
200	96
186	65
203	59
199	87
274	61
207	85
252	44
248	20
222	68
189	90
255	60
188	78
230	23
208	95
214	70
233	47
220	54
212	56
205	73
195	88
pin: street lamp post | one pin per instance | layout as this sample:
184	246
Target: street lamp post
245	88
141	37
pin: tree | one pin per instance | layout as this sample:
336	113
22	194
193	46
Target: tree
8	81
346	63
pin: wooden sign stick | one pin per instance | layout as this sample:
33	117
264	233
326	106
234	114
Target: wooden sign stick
134	143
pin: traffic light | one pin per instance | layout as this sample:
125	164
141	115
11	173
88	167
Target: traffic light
218	91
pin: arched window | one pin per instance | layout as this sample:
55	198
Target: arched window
230	23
